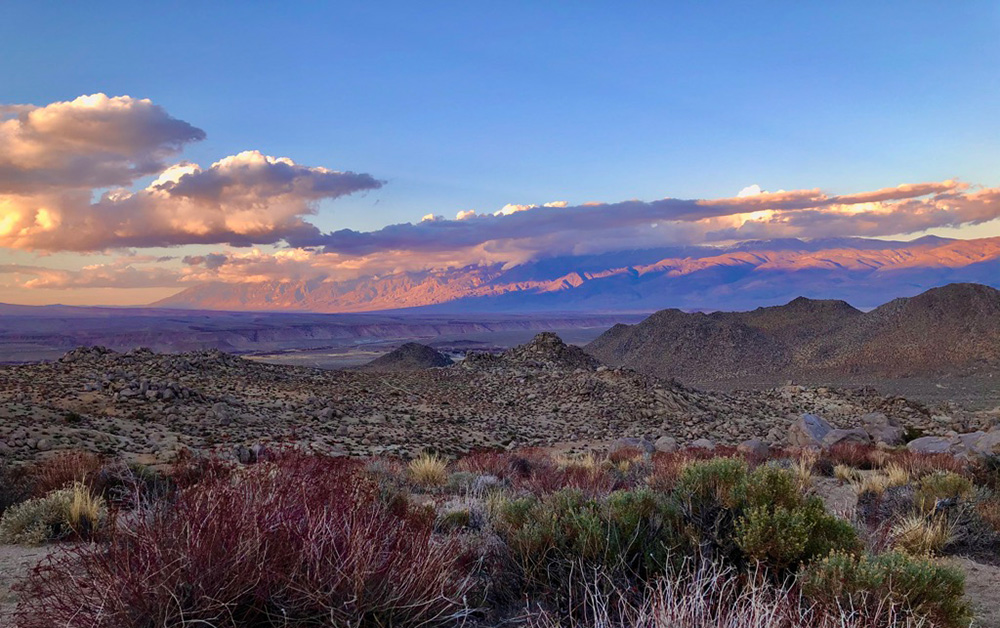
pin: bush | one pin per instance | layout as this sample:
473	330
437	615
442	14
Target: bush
297	541
941	486
911	586
781	528
63	469
16	485
61	514
629	535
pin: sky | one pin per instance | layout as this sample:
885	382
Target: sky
148	147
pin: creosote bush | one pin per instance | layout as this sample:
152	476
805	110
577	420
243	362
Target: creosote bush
913	587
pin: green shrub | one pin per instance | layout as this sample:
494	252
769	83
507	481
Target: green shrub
939	486
630	535
781	528
914	587
57	515
736	515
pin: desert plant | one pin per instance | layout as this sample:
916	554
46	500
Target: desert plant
709	595
629	535
845	473
16	485
912	587
297	541
63	469
921	535
59	514
940	486
428	470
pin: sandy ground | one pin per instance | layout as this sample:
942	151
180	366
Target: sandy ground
15	563
982	588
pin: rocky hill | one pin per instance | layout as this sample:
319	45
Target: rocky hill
147	406
411	356
953	330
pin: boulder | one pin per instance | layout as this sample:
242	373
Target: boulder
702	443
882	429
988	444
933	445
643	445
853	436
666	444
754	447
808	431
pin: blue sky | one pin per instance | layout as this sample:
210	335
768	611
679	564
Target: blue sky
470	106
475	105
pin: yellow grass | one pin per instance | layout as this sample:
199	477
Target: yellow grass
85	509
873	482
922	536
428	470
845	473
585	461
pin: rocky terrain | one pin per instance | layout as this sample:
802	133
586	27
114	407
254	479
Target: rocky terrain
148	406
953	331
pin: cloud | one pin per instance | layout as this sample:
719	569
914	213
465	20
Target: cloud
242	200
54	158
120	274
91	142
559	228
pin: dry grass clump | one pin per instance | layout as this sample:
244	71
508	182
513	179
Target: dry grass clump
845	473
803	468
875	483
428	470
919	535
585	461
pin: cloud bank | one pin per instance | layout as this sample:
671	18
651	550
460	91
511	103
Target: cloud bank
68	182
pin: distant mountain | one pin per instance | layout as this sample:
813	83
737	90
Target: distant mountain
954	329
750	274
411	356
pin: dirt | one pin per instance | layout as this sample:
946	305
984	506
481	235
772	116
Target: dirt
982	588
16	561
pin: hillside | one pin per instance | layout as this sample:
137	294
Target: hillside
411	356
953	330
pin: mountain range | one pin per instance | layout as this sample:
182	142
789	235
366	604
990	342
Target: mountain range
947	331
745	275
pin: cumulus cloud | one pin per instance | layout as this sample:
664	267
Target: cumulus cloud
91	142
52	159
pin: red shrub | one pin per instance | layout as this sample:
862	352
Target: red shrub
491	462
63	469
852	455
625	453
300	541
